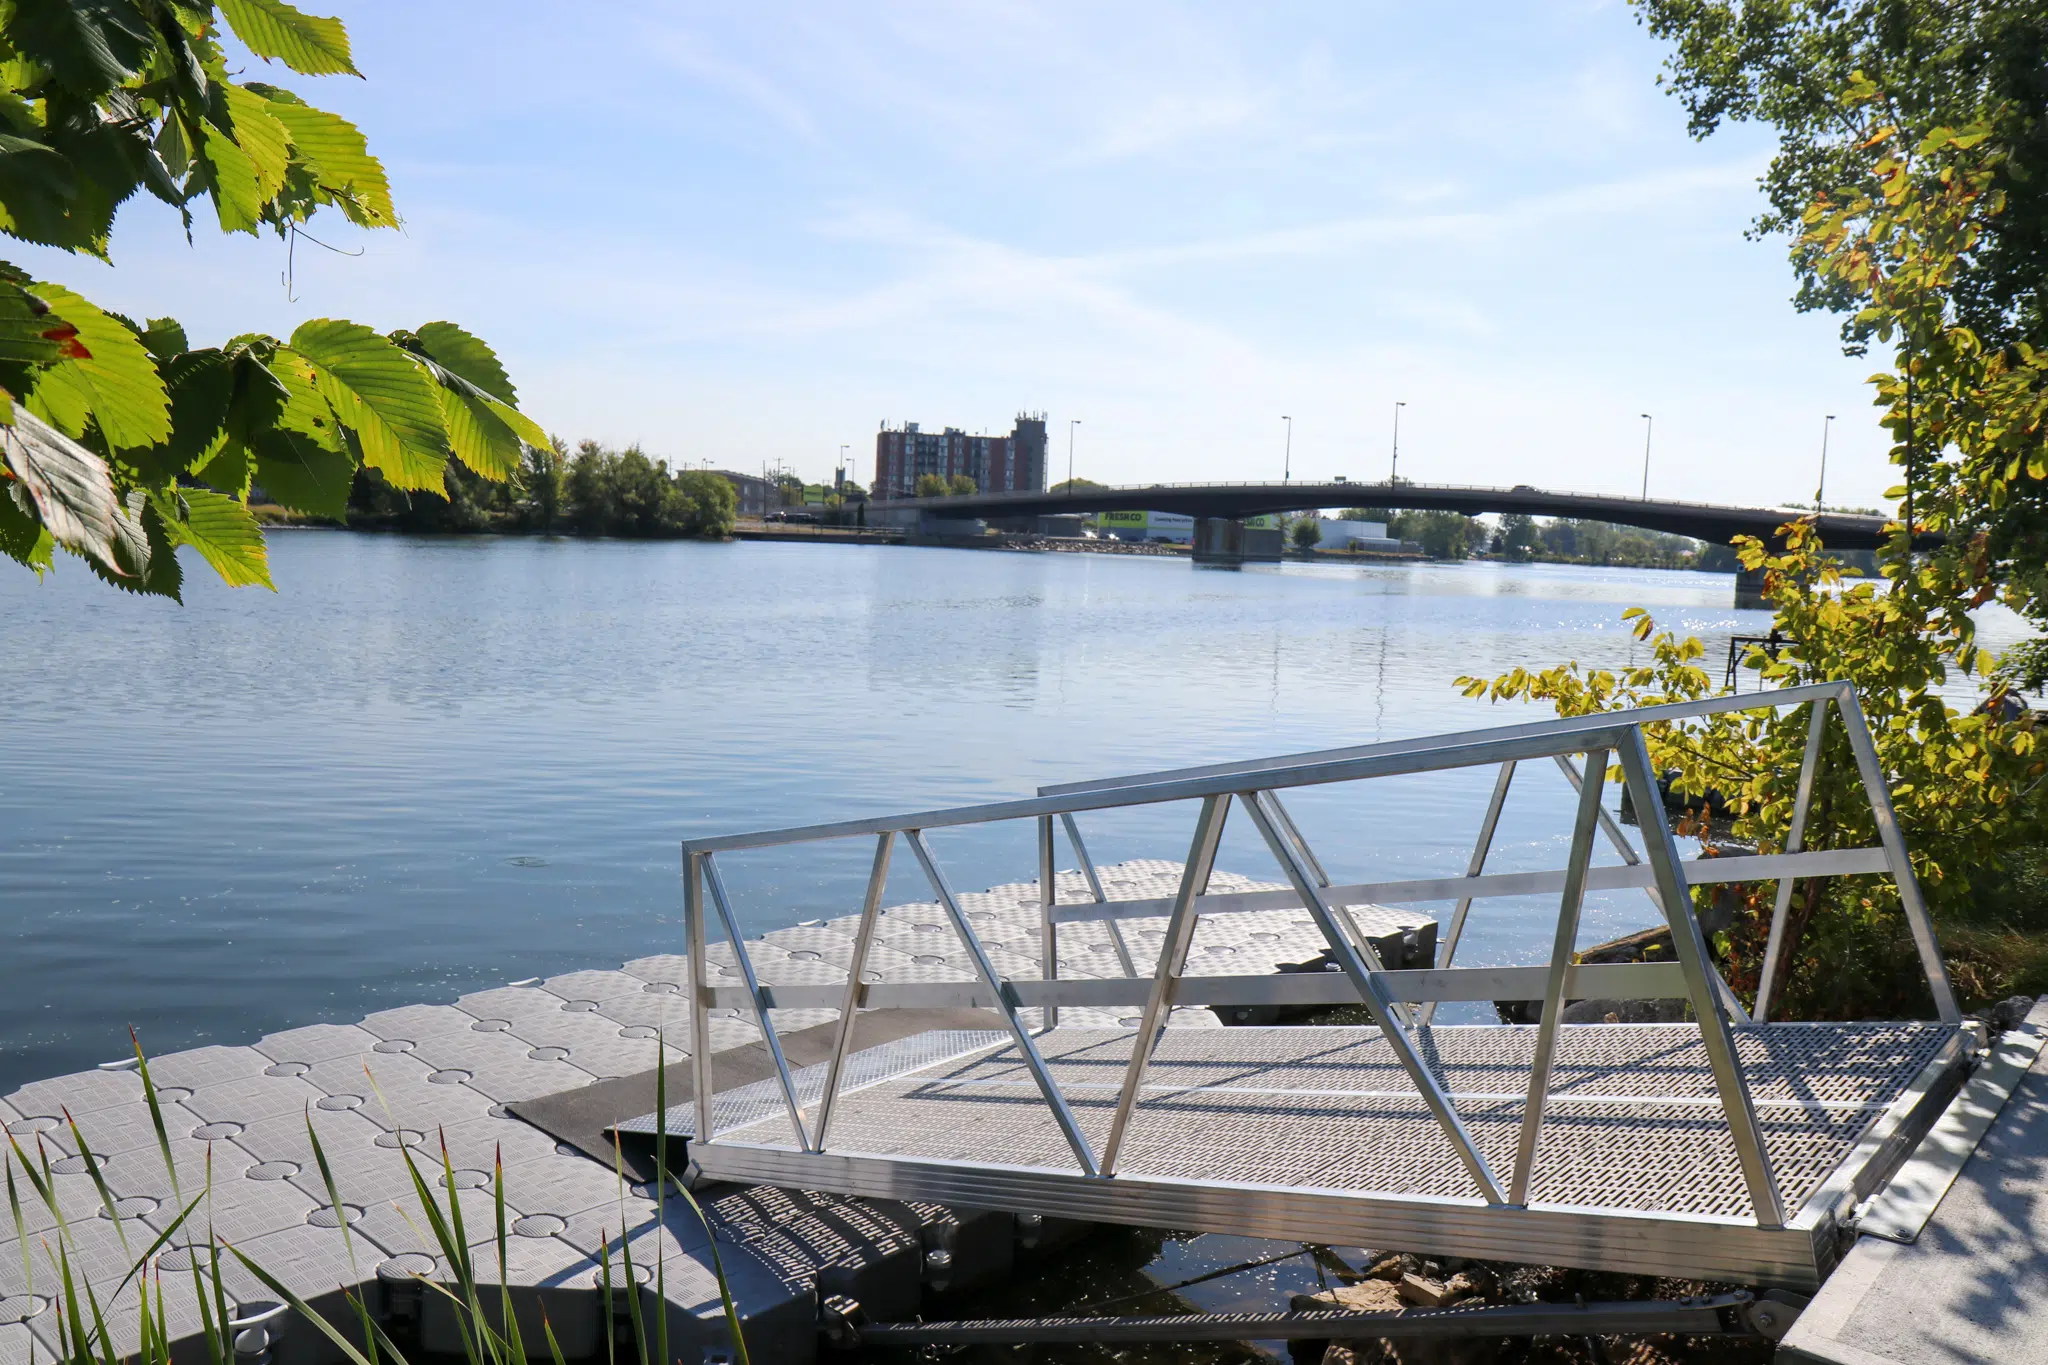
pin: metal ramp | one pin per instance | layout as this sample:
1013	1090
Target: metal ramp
1726	1148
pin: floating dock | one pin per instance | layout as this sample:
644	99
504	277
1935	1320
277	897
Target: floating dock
412	1077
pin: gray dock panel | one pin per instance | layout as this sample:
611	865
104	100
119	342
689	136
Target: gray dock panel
410	1077
1972	1288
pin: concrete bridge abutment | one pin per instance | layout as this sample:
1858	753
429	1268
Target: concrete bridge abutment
1225	543
1749	589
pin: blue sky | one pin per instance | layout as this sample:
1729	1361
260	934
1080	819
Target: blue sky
745	234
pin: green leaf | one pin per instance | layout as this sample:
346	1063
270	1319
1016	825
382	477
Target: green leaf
200	384
458	352
299	473
28	334
262	137
37	185
523	426
480	440
228	469
165	338
380	393
307	44
237	187
22	537
221	529
126	393
335	151
304	410
90	46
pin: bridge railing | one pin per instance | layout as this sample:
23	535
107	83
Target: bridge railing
1354	485
1400	1002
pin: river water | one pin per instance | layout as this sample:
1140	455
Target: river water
428	766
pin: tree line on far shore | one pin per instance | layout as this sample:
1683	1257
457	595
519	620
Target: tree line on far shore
593	490
1562	540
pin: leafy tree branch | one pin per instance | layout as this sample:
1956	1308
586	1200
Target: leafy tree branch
119	440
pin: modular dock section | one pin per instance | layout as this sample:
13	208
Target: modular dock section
413	1076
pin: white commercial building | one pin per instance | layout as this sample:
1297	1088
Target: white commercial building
1356	535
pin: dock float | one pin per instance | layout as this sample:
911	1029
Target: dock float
415	1076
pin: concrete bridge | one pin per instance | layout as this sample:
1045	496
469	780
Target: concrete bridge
1236	501
1221	537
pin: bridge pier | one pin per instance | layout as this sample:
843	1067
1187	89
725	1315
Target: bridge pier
1225	543
1749	589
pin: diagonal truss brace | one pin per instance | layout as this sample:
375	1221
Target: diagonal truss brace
1386	1013
1006	997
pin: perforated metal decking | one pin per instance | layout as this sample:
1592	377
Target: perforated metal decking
1317	1134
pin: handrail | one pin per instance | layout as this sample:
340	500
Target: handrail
1290	485
1390	996
1644	715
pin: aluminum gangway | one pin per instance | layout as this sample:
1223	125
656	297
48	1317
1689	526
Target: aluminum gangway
1726	1147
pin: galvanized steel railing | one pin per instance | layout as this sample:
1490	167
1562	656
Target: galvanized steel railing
1401	1002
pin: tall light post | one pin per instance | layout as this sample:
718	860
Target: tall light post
1649	425
1287	462
1394	476
1820	493
1072	422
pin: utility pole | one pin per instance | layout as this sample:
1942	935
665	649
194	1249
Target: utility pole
1820	493
1287	464
1395	476
1649	425
1072	422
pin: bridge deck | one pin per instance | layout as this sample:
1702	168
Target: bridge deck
1316	1133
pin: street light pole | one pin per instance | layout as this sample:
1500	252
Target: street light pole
1072	422
1649	425
1394	476
1287	465
1820	493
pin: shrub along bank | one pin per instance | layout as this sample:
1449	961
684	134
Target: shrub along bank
596	491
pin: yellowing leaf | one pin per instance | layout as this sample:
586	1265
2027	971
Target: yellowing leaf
262	138
479	439
335	151
118	379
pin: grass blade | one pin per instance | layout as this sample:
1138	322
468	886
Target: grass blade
333	1190
661	1174
156	1116
302	1308
28	1271
142	1262
554	1347
92	1168
510	1324
732	1312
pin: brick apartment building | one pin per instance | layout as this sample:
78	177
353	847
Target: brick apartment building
997	464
